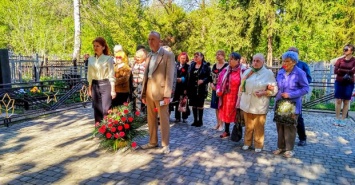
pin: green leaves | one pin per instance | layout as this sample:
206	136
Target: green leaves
318	28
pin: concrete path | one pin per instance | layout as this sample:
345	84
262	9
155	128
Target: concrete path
57	149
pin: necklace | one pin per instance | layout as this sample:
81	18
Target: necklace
219	66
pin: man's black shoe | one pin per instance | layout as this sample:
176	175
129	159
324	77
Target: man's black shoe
302	143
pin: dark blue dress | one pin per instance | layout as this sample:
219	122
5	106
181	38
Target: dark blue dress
214	74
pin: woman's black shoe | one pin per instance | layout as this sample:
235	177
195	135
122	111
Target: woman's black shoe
199	124
194	124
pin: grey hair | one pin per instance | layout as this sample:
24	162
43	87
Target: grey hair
259	56
117	48
155	33
294	49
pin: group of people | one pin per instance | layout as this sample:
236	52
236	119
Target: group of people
156	80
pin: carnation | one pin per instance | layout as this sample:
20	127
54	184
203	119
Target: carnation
130	119
120	127
113	129
123	119
126	126
108	135
102	129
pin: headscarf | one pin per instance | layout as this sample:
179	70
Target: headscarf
244	80
226	79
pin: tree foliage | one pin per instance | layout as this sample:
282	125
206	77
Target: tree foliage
318	28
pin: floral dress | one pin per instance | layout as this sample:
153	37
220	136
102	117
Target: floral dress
137	81
227	110
214	75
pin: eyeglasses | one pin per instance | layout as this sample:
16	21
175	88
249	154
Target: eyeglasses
257	61
346	49
287	61
119	57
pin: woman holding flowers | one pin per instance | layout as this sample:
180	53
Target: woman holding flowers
180	91
101	78
292	85
227	91
258	84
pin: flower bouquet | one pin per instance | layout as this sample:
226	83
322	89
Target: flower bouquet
285	112
118	129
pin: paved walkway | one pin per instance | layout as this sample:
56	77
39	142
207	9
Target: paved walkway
57	149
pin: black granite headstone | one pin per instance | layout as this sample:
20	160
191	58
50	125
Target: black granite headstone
5	73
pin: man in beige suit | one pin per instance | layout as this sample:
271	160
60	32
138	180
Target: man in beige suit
157	89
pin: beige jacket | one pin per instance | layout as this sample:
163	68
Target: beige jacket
162	76
249	102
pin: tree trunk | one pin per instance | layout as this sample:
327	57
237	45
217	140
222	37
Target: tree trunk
271	22
269	51
77	32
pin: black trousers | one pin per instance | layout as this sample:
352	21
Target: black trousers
120	99
301	131
101	98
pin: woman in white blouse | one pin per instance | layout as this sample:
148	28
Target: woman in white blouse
101	79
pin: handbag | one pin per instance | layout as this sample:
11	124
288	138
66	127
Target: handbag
237	132
239	117
347	78
183	104
285	112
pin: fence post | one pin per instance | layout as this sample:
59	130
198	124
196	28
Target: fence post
329	79
37	67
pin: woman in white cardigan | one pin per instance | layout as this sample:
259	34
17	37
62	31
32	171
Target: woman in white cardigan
258	84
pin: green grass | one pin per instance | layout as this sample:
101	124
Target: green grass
331	106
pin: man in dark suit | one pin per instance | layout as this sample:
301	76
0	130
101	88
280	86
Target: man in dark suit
301	131
157	89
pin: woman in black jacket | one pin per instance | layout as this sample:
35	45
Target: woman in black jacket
198	79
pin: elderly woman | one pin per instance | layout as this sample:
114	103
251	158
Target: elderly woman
216	69
198	78
182	71
258	84
344	69
138	69
122	74
227	91
292	85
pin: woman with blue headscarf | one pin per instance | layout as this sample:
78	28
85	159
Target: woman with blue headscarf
292	85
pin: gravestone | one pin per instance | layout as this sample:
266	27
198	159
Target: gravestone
5	73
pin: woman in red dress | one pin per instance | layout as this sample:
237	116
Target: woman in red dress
227	91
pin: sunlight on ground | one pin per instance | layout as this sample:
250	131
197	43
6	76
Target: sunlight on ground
312	171
343	141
